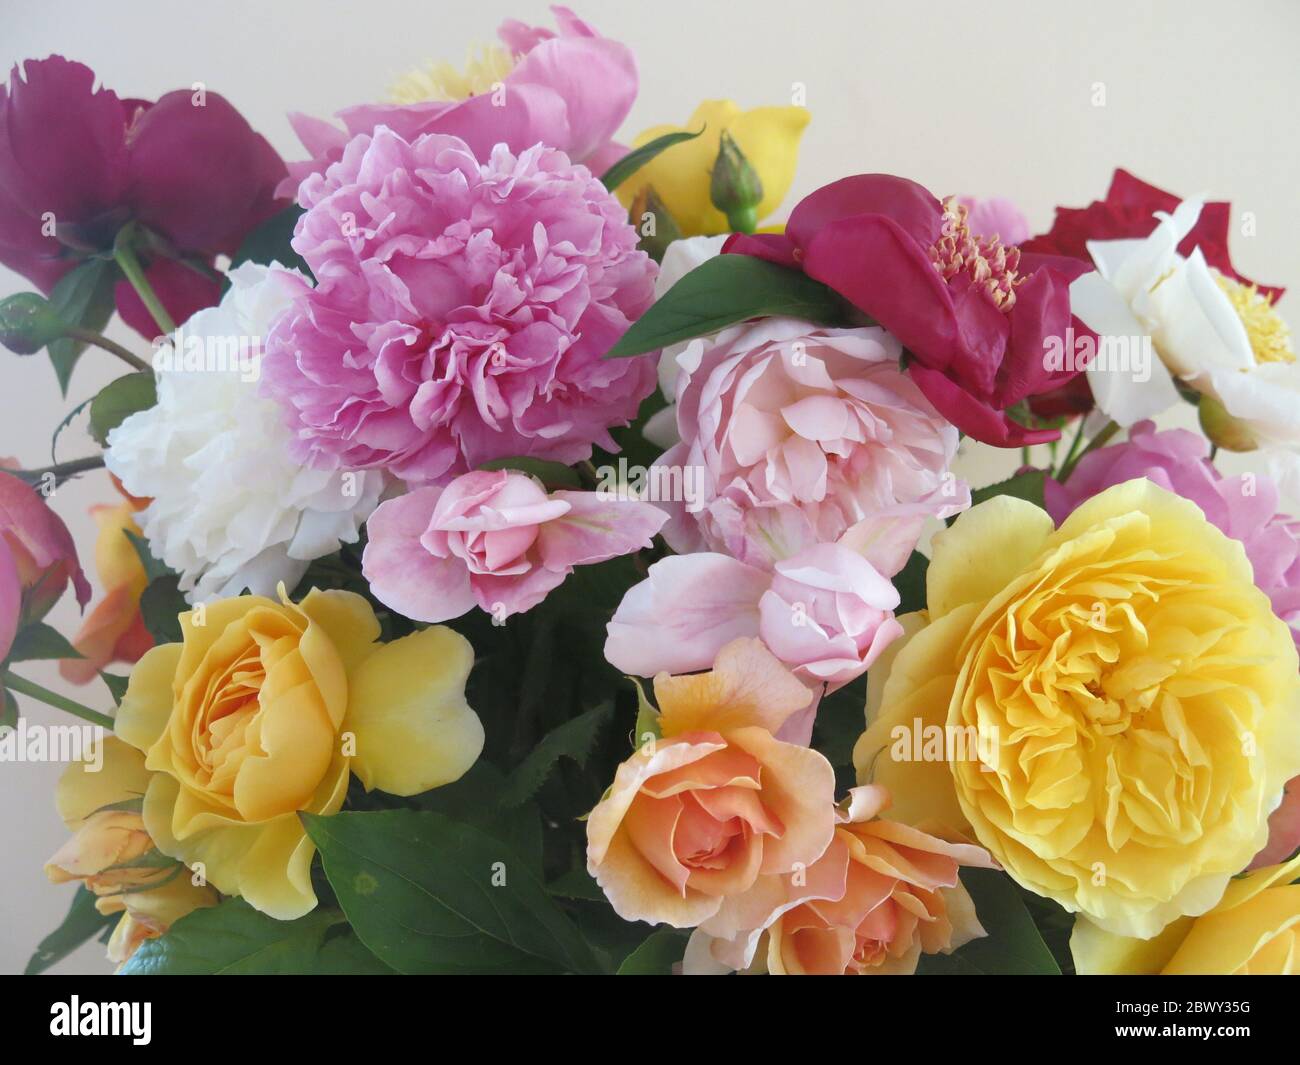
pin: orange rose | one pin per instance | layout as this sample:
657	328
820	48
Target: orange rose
114	630
702	813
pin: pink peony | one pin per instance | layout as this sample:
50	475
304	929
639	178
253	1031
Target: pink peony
996	218
826	613
462	311
804	435
569	89
494	539
1244	508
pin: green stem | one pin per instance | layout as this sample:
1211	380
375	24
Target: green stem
1109	430
89	336
130	264
62	470
1074	445
15	683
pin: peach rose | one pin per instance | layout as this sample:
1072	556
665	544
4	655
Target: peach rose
702	813
112	853
880	896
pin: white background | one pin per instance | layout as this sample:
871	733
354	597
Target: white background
964	97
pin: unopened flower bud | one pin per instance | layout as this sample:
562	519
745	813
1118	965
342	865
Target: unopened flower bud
1222	429
29	322
735	188
655	225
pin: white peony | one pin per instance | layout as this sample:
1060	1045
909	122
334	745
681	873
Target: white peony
681	257
1213	333
231	510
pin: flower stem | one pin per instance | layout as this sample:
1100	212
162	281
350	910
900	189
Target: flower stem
1108	430
62	470
89	336
126	258
16	683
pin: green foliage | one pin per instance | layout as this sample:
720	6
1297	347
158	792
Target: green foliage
118	400
82	923
638	157
83	297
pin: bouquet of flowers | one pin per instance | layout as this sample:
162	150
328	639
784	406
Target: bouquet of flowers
529	555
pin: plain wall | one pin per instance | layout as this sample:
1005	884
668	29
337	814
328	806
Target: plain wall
987	99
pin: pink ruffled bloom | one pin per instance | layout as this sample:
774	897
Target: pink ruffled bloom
37	559
570	89
825	612
495	539
462	312
996	218
805	435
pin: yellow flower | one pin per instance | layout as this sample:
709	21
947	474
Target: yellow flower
1252	931
110	849
485	68
265	709
768	136
1117	706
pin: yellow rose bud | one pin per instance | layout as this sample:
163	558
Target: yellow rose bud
1251	932
265	709
768	138
1117	706
149	914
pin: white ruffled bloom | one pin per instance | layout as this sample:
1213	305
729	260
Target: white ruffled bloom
681	257
231	510
1218	336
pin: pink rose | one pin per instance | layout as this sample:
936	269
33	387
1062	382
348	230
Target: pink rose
825	612
569	89
802	434
37	559
495	539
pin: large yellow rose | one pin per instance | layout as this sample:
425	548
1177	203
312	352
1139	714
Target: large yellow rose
680	175
1253	931
265	709
1119	707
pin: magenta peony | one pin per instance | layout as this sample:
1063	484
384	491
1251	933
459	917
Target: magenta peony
569	89
805	435
462	312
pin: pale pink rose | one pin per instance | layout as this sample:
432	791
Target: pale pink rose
805	434
495	539
881	895
825	612
716	803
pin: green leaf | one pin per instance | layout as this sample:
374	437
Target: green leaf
722	291
1027	485
118	400
647	716
153	568
161	605
269	243
577	883
429	895
1013	945
116	685
67	420
474	800
40	641
656	955
638	157
573	740
551	474
910	583
83	297
83	922
235	939
840	721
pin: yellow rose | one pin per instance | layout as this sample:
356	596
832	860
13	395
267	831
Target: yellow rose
111	852
265	709
1118	706
1251	932
768	136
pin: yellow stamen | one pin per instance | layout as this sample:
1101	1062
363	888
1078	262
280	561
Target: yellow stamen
442	81
1270	339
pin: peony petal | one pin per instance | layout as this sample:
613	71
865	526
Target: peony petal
596	529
